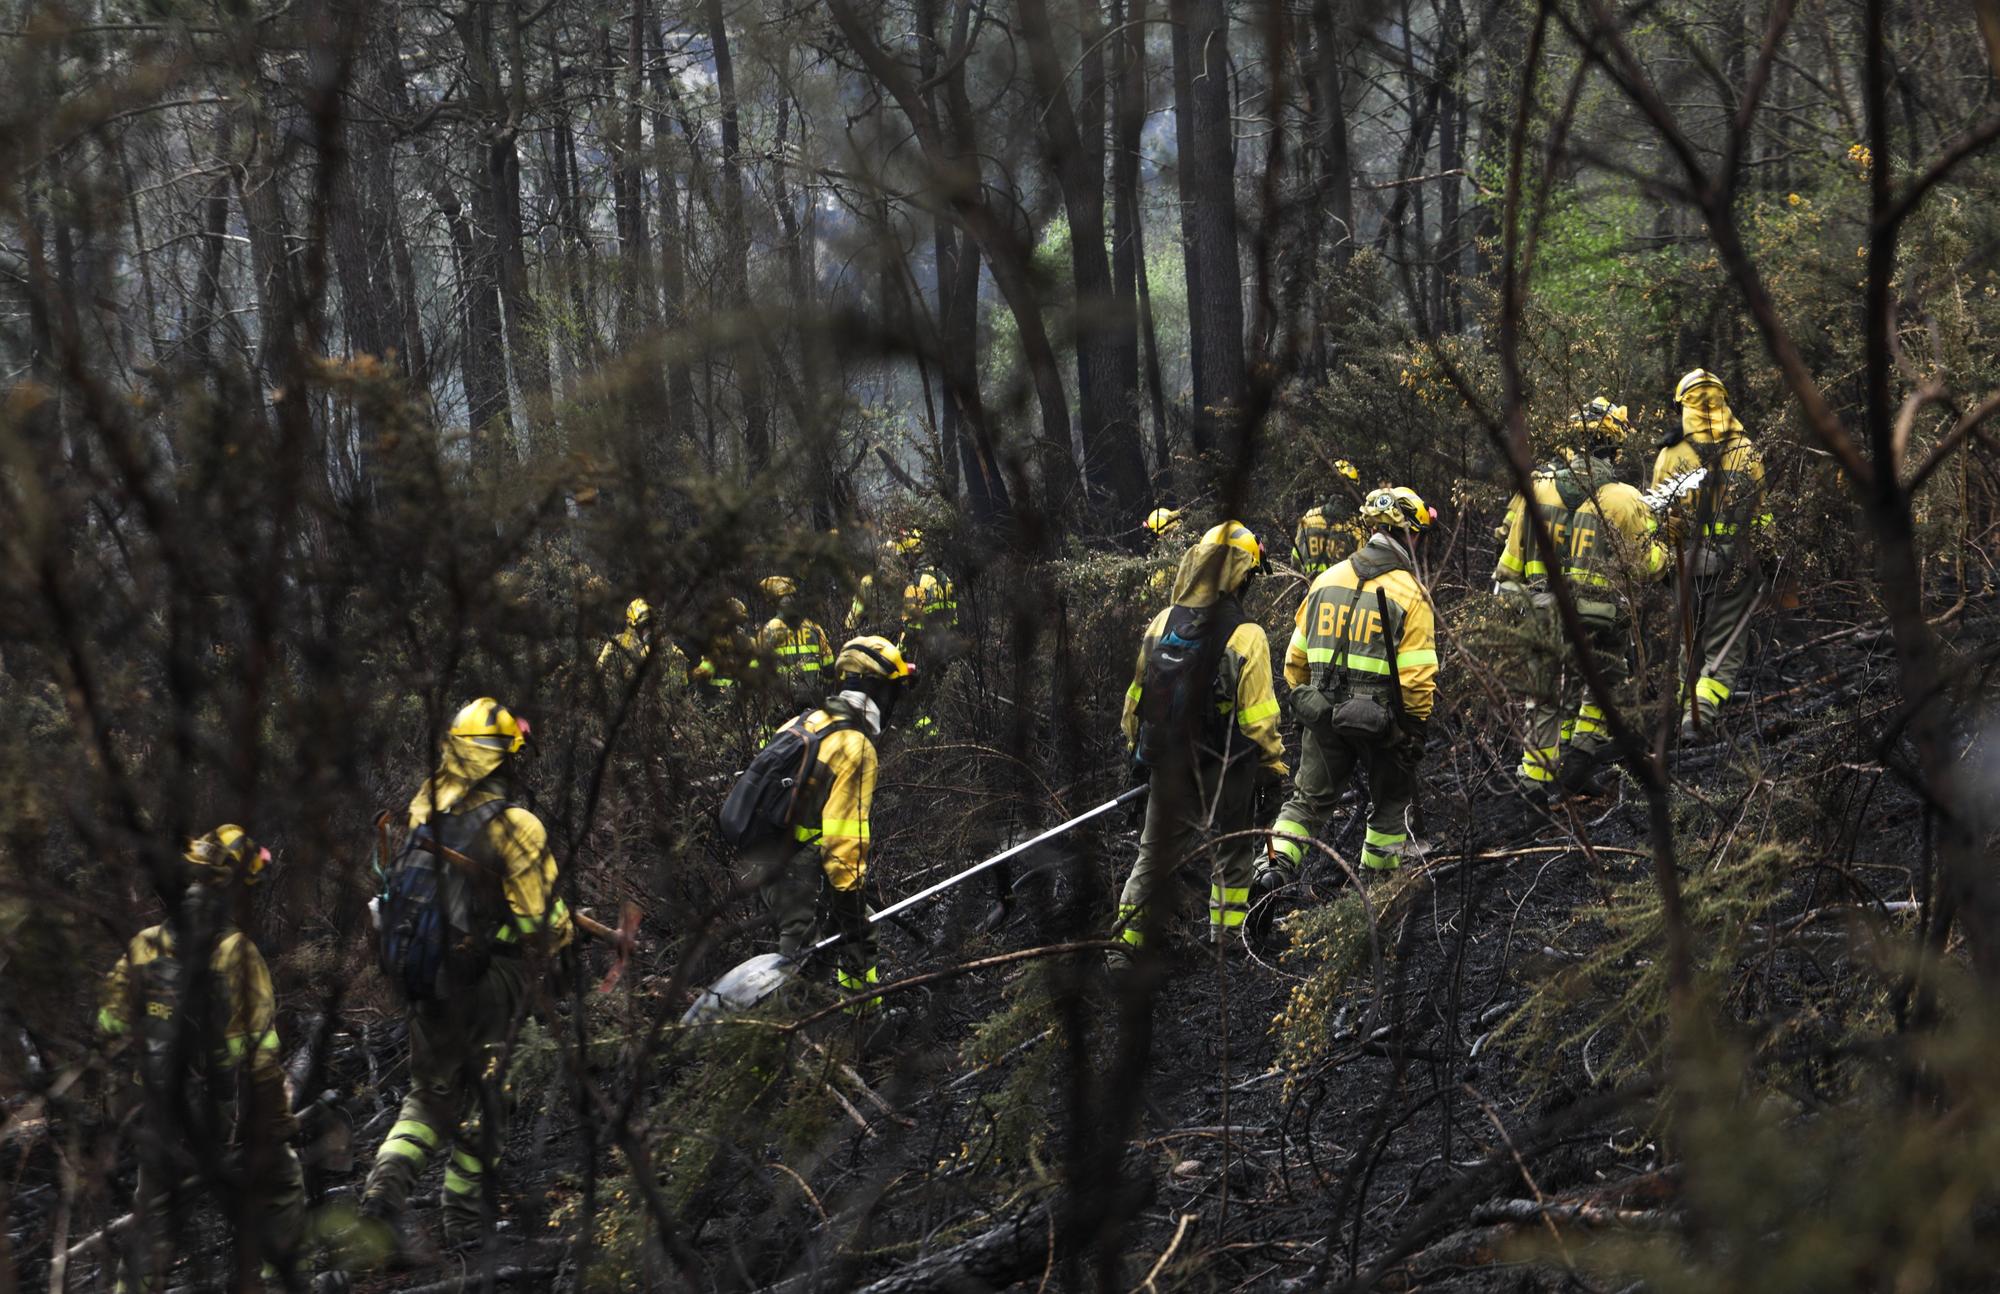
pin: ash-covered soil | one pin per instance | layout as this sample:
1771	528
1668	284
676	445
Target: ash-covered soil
1031	1123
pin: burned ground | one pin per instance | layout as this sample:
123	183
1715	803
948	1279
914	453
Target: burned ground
1472	1113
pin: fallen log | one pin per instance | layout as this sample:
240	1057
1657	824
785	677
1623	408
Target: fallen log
506	1274
1571	1212
1029	1244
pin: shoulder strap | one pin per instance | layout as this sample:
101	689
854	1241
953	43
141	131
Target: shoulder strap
1389	642
1342	662
464	825
1573	494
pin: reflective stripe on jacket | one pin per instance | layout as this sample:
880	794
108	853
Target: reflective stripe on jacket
244	1010
841	791
1609	531
1243	675
798	652
1731	496
628	651
930	601
1320	541
1338	628
515	839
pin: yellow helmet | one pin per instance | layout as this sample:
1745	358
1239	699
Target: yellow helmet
637	614
1162	520
1694	380
492	726
1398	506
778	586
1347	469
909	541
1234	534
227	853
1601	420
872	656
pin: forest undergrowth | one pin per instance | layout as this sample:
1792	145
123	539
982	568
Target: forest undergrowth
1454	1085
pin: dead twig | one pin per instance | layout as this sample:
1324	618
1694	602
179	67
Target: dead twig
1153	1273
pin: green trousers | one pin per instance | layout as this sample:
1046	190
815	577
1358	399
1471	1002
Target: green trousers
1723	605
455	1076
791	879
1326	765
1560	714
272	1176
1186	808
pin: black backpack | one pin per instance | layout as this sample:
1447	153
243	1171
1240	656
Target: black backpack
440	905
1178	700
769	796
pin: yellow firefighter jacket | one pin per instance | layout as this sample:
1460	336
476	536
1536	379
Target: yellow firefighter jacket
798	651
840	789
930	602
1731	496
1601	526
1244	673
238	978
1320	540
628	651
516	838
1339	635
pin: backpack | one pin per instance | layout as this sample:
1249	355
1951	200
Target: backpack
768	796
439	905
1178	700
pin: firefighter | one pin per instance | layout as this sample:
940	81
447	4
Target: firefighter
1605	540
796	645
1202	723
1362	667
930	607
1323	536
731	652
930	625
1719	565
624	655
828	850
457	1088
880	581
204	1051
1161	523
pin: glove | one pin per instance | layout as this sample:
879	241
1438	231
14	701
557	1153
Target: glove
1270	799
1415	730
849	909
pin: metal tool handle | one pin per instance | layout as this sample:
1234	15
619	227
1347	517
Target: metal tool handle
1001	857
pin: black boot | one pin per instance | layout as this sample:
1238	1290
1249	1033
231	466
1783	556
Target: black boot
1263	908
1577	775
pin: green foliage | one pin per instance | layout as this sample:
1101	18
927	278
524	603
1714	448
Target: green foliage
743	1092
1785	1197
1011	1125
1334	946
1612	1001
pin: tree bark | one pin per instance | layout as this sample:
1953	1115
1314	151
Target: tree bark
958	184
673	272
958	319
1107	347
482	365
1191	267
736	247
1128	218
527	335
1208	162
